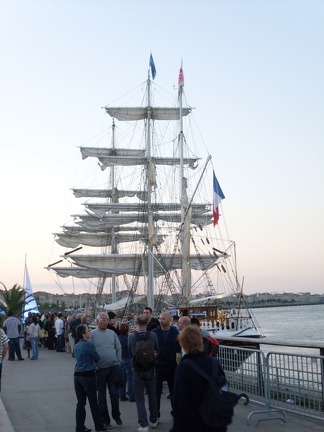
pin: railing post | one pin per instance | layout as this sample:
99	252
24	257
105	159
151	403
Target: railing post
322	374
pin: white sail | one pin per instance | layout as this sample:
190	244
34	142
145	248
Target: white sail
130	263
142	113
31	304
108	193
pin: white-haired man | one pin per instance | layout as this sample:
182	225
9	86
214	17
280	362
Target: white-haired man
109	349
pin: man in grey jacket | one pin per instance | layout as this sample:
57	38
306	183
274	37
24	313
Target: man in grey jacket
109	349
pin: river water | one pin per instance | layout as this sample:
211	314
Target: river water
292	324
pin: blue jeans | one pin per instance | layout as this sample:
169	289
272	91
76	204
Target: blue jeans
106	378
85	387
14	347
34	345
127	366
142	380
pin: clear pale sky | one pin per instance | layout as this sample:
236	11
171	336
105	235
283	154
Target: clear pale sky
254	72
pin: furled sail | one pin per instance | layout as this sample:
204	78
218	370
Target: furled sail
129	263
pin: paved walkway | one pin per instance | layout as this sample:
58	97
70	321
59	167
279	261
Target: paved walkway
38	396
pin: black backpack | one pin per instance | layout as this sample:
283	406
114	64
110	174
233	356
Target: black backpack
217	406
143	352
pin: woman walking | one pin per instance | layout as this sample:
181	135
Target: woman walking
27	337
33	335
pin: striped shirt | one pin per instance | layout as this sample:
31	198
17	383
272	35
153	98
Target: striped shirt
4	339
11	324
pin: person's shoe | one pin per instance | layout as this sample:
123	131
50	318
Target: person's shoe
33	358
119	422
21	359
85	429
154	424
143	429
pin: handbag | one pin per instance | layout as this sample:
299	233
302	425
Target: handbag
41	333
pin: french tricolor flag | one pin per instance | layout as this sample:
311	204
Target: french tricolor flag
218	197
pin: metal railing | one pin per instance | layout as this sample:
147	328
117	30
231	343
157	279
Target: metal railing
282	382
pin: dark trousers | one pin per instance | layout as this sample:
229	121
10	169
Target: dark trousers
85	387
145	380
0	374
106	377
164	373
60	343
14	347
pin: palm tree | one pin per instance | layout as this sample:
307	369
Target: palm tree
14	299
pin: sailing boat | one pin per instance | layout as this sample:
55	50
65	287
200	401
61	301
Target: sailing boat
31	305
151	227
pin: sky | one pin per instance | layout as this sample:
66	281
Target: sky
254	72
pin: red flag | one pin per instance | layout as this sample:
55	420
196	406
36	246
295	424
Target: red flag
181	78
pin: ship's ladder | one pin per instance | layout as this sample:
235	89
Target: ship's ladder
167	284
132	290
206	276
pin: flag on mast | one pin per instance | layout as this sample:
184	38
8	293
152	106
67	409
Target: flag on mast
31	305
181	77
218	197
152	66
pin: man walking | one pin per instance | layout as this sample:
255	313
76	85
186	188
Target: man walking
59	333
109	349
12	328
166	362
143	346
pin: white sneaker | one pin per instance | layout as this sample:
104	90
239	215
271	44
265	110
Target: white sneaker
143	429
154	425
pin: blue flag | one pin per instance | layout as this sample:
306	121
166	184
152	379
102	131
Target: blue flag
152	66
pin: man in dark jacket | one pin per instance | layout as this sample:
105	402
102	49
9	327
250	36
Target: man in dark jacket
152	322
165	363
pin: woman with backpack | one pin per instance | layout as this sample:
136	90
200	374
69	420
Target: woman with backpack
190	386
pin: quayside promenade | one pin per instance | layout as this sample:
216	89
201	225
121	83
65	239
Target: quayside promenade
38	396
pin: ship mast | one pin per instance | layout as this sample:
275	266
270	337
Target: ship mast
113	235
150	281
185	210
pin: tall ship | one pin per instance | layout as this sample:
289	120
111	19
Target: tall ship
153	225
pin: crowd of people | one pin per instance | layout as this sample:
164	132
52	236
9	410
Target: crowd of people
129	364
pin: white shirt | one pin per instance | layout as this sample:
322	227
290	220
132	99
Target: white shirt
59	325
